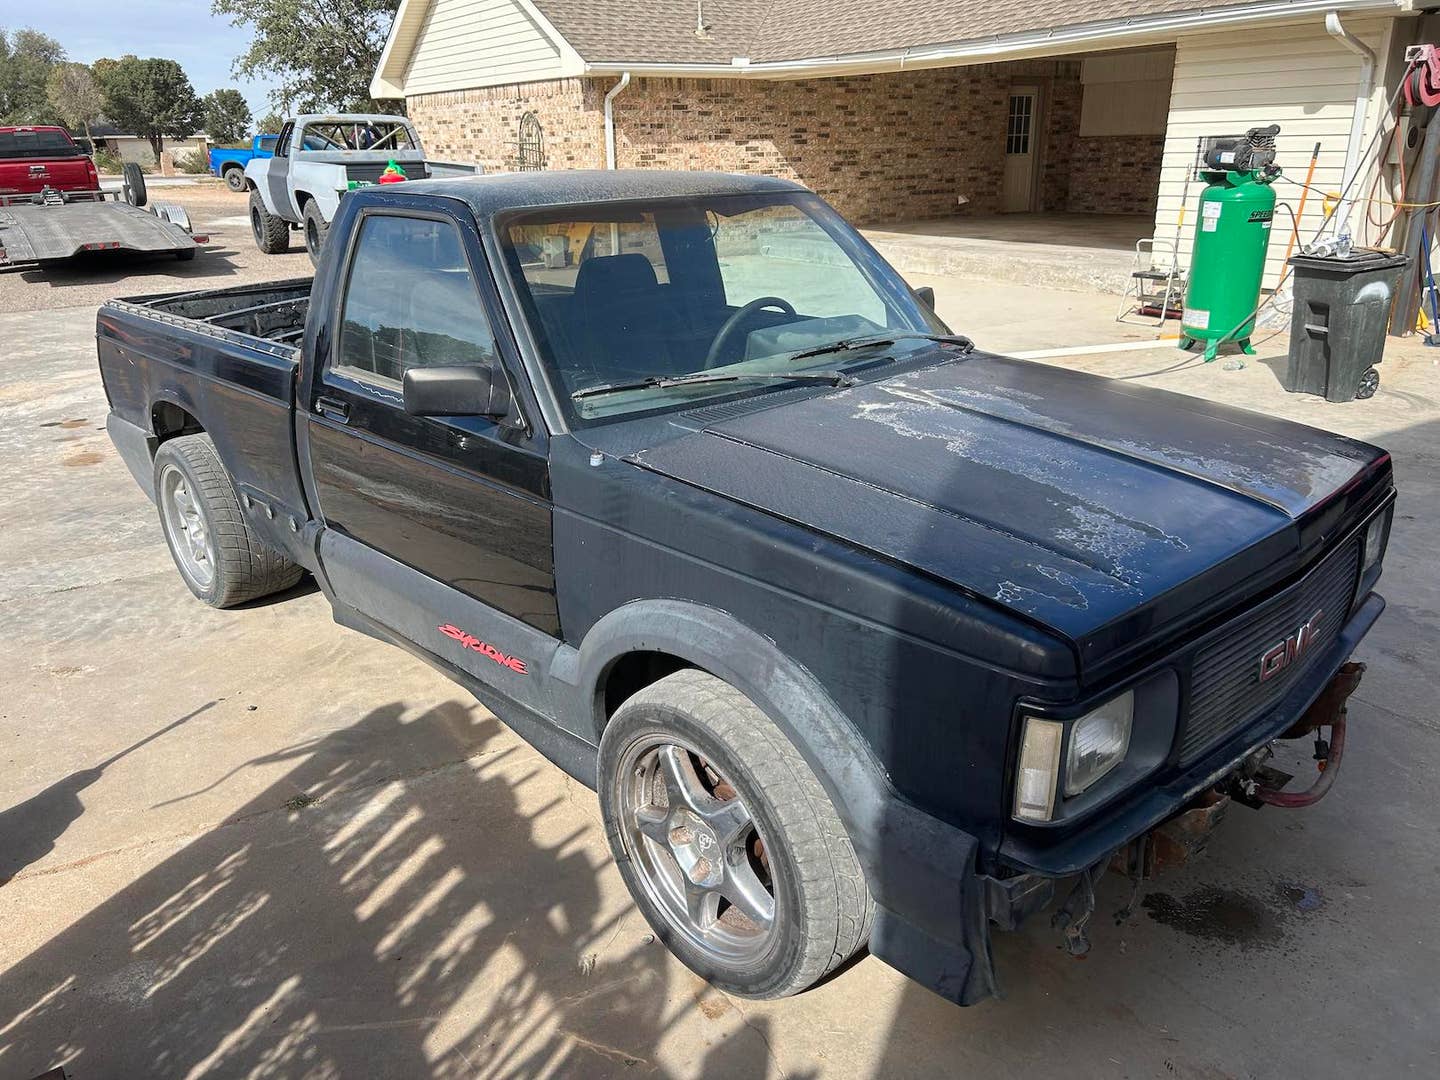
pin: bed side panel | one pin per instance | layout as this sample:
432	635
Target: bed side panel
240	390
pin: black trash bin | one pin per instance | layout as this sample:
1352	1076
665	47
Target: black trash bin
1337	332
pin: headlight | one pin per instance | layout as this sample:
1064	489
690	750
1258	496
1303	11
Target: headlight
1375	540
1098	741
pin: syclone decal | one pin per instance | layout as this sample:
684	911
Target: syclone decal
484	648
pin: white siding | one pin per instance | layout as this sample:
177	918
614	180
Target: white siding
471	43
1296	76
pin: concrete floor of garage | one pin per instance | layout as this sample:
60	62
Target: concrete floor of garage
1046	251
254	843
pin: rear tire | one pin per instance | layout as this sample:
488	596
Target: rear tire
132	184
316	232
235	178
760	817
219	556
272	234
187	254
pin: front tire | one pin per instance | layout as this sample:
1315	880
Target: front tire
727	841
316	232
272	234
235	179
219	556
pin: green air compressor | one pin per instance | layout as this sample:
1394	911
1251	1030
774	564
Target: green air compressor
1232	233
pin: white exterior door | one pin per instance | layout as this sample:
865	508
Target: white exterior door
1018	189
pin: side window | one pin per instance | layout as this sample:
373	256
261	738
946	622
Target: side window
268	144
282	148
410	301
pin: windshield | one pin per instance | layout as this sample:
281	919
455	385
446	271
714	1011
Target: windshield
27	144
620	294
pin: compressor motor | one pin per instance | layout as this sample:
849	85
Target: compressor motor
1250	152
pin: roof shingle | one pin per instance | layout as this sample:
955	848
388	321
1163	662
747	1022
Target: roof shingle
664	31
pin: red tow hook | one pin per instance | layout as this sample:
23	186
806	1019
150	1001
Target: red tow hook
1329	710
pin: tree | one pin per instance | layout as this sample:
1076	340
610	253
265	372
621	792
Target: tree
151	98
26	57
227	116
75	96
269	124
322	55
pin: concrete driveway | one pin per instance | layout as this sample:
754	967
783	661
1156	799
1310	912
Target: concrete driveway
251	843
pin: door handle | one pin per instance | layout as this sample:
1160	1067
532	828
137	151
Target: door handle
333	408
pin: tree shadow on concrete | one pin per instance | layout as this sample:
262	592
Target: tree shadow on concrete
369	914
30	830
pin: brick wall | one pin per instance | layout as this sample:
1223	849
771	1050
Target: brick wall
1115	174
881	148
484	125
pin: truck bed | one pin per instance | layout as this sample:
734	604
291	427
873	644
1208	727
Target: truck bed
221	360
273	311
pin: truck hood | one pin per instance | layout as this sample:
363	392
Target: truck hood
1100	510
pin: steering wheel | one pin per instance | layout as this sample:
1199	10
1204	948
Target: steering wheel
722	338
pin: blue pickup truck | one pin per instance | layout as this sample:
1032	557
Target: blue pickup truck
228	162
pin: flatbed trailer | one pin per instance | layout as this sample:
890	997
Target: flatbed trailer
52	227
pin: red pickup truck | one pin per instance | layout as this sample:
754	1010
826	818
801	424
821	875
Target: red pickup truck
34	158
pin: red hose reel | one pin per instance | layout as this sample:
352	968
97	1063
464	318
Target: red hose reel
1422	78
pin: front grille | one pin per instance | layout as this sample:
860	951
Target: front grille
1226	693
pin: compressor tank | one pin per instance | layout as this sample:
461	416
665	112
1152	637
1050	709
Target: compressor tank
1232	234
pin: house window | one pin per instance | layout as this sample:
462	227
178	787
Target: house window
1017	130
531	144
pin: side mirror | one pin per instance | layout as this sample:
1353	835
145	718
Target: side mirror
471	390
926	295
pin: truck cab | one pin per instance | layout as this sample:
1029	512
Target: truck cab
35	158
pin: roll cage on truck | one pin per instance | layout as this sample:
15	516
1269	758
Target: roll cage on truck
317	159
862	635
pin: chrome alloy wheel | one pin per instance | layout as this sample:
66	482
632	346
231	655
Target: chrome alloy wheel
696	849
190	536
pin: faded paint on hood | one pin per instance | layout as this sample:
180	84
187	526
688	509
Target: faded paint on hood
1073	500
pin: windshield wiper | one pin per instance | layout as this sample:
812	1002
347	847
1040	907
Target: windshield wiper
834	378
846	344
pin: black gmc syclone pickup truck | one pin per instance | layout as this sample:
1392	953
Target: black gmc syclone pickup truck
863	636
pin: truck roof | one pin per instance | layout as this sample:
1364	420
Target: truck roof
488	195
348	118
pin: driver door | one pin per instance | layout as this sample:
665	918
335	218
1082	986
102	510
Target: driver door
458	507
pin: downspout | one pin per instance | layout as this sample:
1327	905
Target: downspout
610	96
1363	90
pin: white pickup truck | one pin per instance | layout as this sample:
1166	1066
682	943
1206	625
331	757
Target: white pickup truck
318	158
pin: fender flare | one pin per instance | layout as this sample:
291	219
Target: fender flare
913	862
755	665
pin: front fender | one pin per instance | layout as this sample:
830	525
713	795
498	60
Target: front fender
257	179
921	871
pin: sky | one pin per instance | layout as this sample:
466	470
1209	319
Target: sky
182	30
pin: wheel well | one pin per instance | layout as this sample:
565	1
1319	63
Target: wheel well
228	165
632	673
168	420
